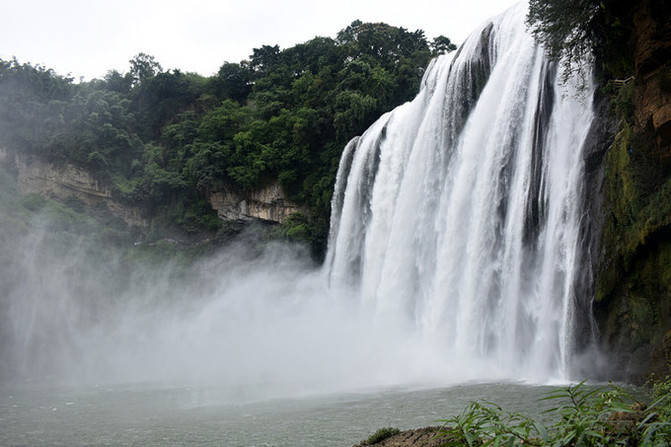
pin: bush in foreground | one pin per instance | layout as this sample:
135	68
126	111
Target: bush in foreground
585	416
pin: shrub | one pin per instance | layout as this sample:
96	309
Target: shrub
381	435
586	416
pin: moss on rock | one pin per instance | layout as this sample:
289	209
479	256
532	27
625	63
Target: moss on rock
633	284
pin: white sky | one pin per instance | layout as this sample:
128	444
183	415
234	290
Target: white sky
88	37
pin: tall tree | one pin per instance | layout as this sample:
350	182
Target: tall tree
142	67
441	45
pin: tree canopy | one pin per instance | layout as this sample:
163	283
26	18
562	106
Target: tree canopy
164	136
576	31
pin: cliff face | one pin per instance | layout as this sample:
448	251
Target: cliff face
269	203
653	71
633	261
63	181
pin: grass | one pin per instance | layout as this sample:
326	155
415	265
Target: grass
381	435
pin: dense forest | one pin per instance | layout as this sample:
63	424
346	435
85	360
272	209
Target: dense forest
163	138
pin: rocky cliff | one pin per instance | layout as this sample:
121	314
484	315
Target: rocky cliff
631	207
268	203
63	181
652	97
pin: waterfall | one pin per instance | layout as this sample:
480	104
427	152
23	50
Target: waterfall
456	216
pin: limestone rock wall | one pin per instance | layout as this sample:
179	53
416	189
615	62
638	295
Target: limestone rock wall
269	203
63	181
632	188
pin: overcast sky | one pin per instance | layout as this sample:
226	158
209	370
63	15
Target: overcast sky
88	37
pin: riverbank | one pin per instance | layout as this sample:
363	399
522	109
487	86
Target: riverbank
420	437
583	415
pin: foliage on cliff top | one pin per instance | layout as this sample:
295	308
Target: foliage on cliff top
574	31
167	137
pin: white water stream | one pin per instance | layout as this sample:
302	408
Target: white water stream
456	216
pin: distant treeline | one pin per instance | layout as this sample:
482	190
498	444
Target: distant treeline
164	137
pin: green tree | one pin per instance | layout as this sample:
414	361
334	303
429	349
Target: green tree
142	67
118	82
233	81
566	28
576	31
441	45
166	137
264	58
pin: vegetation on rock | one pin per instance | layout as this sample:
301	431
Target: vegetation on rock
576	31
164	138
583	415
382	434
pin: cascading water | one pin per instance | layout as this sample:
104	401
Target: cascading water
456	216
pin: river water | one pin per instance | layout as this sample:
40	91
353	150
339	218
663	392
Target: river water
151	415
